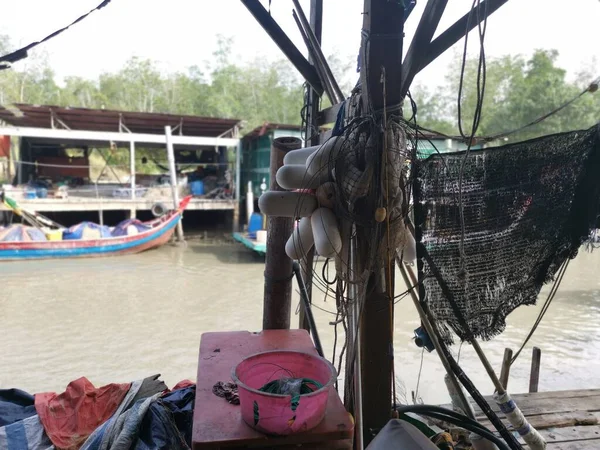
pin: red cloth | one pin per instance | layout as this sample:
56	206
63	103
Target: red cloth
69	418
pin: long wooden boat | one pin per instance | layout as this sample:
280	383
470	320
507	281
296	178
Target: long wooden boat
158	234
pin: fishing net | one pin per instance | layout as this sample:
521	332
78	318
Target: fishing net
527	207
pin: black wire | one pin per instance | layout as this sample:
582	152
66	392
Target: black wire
455	418
17	55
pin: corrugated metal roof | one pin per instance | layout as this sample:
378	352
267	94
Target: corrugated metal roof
267	127
42	116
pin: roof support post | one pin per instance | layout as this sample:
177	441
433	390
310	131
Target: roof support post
284	43
132	176
381	50
173	173
421	40
448	38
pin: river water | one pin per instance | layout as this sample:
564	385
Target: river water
123	318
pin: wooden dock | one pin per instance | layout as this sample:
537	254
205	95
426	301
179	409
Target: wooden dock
568	420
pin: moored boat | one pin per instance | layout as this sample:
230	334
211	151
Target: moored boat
156	232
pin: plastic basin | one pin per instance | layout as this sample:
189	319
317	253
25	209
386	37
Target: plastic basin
273	413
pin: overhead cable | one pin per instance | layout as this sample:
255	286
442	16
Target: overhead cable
7	60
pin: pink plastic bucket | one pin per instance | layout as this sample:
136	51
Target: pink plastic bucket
273	413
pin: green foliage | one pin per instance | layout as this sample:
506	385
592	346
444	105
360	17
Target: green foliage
517	92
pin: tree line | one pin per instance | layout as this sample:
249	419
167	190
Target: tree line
518	90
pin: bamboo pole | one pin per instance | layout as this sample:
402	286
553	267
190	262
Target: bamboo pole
277	304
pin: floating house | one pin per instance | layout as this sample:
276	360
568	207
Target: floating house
72	159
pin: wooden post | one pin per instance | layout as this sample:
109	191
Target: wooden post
172	171
132	177
534	377
277	304
377	358
505	371
380	77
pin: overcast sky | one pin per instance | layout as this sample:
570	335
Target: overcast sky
181	33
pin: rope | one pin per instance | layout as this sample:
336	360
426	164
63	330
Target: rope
551	295
593	87
481	80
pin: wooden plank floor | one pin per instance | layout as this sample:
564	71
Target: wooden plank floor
568	420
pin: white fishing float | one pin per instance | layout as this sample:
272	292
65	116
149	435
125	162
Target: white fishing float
328	241
319	160
295	176
299	156
287	204
301	240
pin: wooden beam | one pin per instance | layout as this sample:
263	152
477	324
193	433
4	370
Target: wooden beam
284	43
383	26
328	115
108	136
421	40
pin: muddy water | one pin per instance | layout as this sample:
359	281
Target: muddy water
123	318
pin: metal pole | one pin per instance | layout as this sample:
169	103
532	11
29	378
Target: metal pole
132	177
311	138
174	192
410	280
277	304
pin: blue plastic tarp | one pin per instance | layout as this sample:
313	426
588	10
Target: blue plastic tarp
15	405
168	423
76	231
21	233
121	228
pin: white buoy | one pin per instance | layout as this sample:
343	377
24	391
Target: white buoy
319	160
287	204
299	156
328	241
295	176
301	240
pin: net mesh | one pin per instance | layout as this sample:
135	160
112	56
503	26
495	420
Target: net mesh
527	208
